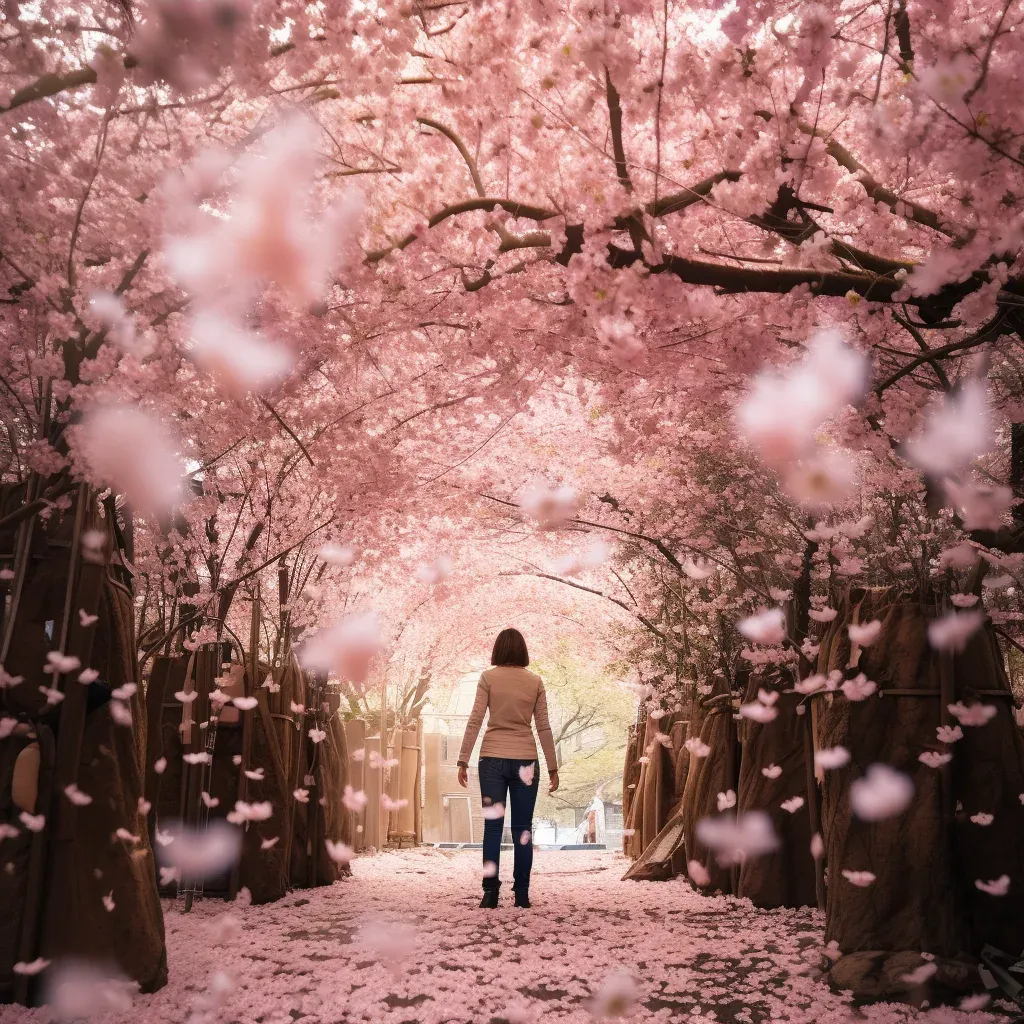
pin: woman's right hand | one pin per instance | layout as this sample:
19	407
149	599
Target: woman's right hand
463	777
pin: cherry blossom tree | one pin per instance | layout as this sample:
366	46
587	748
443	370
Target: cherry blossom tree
684	317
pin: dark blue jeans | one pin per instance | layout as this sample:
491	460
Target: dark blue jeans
499	777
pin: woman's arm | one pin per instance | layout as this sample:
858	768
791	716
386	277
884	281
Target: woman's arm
476	719
547	740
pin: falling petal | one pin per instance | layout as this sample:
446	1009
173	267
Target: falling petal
997	887
864	634
881	793
829	758
859	878
201	853
766	627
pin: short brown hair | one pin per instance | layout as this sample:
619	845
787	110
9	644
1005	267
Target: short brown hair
510	649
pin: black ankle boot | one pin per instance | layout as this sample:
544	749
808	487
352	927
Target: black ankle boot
490	900
522	897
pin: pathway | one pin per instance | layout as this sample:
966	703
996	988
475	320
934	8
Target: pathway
403	942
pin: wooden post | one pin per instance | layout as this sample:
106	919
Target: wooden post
355	739
732	778
250	686
432	821
85	585
385	816
419	782
374	812
947	696
813	806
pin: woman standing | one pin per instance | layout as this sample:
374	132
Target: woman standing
513	698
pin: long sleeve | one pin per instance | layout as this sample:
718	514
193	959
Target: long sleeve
547	740
476	720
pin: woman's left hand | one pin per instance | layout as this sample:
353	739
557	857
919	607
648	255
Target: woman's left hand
553	776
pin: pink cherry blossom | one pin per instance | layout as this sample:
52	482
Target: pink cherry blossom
338	851
858	688
339	554
244	811
920	974
130	450
549	506
698	873
962	556
952	631
811	684
354	800
201	854
698	570
31	967
973	714
982	506
997	887
696	747
831	757
58	664
858	878
758	712
768	626
616	996
881	793
737	838
240	359
955	434
346	648
864	634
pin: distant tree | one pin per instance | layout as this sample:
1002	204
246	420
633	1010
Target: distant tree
586	703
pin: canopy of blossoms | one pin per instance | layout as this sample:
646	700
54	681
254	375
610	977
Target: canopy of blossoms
407	321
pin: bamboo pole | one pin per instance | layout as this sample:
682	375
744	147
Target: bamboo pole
418	791
385	817
813	805
250	684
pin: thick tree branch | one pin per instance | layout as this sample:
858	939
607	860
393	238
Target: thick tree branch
461	147
909	209
996	327
486	203
615	124
50	85
901	22
923	345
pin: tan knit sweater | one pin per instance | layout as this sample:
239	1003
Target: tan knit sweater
513	697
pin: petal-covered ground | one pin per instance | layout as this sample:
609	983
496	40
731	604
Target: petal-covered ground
403	942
